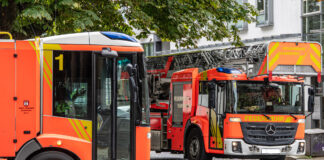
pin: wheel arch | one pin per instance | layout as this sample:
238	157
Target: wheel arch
190	126
75	145
74	156
27	149
33	147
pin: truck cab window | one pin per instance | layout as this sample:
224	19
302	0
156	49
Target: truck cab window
72	84
271	98
203	94
220	99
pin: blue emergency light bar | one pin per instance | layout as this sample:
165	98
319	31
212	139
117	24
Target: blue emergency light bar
228	70
118	36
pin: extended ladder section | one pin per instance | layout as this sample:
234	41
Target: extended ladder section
274	58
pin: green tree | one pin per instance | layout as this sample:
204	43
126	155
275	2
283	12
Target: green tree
181	21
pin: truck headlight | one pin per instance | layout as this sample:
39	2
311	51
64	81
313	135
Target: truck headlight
236	147
301	120
301	147
234	119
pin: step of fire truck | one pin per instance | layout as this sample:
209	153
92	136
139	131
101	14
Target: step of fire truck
164	133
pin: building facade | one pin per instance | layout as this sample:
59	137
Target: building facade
278	20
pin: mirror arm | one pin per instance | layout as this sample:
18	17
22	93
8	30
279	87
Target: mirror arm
134	90
309	114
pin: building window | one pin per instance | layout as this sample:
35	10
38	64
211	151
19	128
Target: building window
240	25
158	46
312	21
311	6
148	49
265	17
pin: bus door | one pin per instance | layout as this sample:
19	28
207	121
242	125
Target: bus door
113	133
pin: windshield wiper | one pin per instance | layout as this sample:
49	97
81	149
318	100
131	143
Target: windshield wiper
293	116
267	117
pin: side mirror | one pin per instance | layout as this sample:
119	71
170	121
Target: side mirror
211	94
133	88
107	52
134	92
311	94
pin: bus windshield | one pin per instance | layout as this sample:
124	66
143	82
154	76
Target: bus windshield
258	97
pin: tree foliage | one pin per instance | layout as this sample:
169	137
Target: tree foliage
181	21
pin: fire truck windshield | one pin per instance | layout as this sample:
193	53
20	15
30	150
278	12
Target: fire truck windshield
281	98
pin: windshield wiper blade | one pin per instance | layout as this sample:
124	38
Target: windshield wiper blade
267	117
293	116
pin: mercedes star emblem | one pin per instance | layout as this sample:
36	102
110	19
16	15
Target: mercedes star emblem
270	129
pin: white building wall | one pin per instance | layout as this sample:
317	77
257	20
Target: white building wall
286	20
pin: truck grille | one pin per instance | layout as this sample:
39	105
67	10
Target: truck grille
255	133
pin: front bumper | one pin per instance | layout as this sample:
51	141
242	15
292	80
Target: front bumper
248	149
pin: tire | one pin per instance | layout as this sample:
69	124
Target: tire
195	149
52	155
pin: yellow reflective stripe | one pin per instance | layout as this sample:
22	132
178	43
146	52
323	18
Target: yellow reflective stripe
37	51
49	73
87	124
274	47
318	64
52	47
48	55
273	60
75	129
300	60
264	67
213	129
37	40
81	129
48	82
219	138
318	52
204	76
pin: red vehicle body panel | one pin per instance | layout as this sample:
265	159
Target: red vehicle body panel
7	94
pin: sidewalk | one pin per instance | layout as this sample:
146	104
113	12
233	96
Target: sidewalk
303	158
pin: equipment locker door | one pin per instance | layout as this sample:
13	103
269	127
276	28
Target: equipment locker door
182	93
7	100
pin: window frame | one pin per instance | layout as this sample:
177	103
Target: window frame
304	13
201	93
305	24
245	25
89	89
268	12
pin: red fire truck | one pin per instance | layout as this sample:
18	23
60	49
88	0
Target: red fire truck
77	96
233	102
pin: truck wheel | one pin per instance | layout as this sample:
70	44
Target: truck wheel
52	155
195	149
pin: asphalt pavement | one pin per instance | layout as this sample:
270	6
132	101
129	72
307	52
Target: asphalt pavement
169	156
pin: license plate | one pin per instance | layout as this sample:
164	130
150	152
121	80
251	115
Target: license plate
270	151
